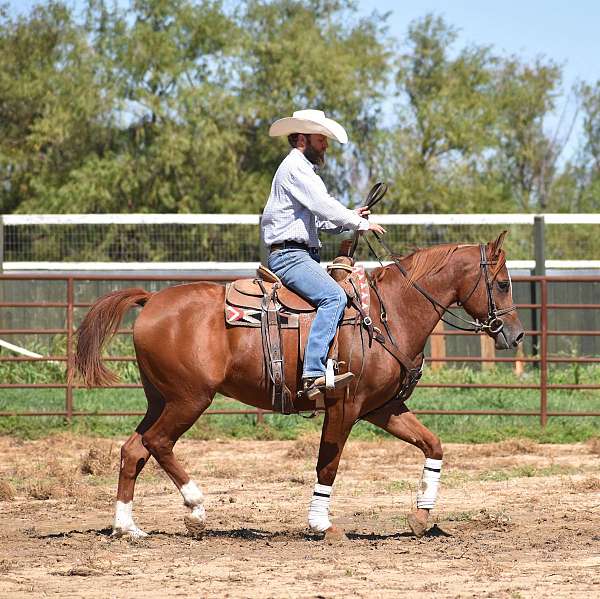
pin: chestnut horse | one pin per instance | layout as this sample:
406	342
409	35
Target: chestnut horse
186	353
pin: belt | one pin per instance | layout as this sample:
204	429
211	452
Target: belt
284	245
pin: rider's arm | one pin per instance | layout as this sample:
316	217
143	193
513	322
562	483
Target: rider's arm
308	188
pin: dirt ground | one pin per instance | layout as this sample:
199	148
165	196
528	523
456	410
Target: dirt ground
514	519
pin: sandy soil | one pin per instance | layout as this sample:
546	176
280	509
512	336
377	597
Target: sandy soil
514	519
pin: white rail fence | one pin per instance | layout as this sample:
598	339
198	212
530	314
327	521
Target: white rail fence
230	242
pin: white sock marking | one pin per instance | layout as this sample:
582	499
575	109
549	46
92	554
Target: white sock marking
124	524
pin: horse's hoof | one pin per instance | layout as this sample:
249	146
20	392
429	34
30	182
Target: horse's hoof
195	523
418	527
335	536
131	533
195	529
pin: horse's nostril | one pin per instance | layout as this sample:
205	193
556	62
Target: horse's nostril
518	339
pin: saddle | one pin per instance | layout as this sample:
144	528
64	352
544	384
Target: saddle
248	293
265	303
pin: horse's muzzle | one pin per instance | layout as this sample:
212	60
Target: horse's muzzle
508	337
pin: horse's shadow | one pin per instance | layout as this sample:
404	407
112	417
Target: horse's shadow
253	534
434	532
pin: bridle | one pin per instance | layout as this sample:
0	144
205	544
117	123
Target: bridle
493	324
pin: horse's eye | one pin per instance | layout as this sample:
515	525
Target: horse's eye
504	286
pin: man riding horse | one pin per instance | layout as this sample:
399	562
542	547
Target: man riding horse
298	207
187	351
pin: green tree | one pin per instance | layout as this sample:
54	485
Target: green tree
164	105
577	186
445	121
526	159
312	54
51	107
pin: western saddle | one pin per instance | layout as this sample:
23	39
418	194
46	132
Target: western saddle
265	303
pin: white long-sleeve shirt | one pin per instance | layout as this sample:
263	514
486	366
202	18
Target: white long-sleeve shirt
299	206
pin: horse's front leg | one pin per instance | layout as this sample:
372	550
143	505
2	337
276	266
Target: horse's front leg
395	418
337	425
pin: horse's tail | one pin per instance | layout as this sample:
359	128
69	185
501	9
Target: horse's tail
98	327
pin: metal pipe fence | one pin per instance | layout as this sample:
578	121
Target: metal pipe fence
542	359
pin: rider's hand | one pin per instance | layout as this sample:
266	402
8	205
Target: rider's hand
364	212
376	228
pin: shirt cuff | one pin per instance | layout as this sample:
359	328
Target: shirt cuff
363	225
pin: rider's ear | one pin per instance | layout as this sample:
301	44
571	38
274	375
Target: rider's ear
497	245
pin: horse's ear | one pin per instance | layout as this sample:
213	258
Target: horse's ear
497	245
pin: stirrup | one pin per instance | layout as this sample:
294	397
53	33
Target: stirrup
318	385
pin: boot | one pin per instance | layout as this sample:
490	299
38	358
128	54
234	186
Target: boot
311	387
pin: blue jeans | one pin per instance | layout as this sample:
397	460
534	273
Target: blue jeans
300	271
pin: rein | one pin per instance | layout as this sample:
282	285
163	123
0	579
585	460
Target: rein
375	195
493	324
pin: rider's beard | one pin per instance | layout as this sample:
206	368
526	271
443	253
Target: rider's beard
316	157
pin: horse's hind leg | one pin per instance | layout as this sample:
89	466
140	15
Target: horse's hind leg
179	414
395	418
133	458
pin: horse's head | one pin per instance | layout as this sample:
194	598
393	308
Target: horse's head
487	296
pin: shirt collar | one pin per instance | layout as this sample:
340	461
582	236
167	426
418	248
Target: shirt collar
299	153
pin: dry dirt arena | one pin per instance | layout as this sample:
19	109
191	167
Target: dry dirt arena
514	519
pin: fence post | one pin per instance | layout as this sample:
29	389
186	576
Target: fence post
539	245
539	252
544	354
488	351
1	262
519	364
438	346
69	373
1	244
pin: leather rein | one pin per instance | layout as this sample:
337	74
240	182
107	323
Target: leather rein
493	324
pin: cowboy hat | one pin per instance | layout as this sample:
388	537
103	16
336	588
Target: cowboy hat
309	121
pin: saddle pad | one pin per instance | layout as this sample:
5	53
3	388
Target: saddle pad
359	275
249	316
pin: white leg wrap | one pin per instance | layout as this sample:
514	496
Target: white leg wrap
318	512
430	482
124	524
193	498
192	495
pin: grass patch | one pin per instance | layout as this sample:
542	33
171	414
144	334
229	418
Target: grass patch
453	428
466	516
401	486
459	478
526	471
7	491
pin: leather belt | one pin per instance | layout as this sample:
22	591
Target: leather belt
284	245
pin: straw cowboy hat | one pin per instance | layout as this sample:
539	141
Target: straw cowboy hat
309	121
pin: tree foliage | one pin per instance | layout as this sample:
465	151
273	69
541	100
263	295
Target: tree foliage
164	106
